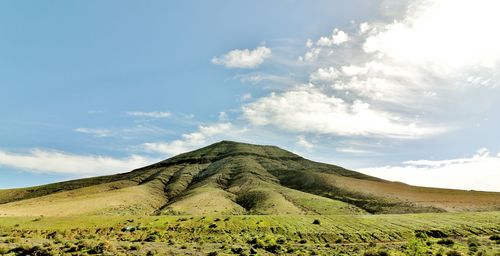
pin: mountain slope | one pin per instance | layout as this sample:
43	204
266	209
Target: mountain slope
237	178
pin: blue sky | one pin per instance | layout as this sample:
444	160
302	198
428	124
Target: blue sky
390	88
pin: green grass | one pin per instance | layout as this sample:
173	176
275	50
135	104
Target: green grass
356	234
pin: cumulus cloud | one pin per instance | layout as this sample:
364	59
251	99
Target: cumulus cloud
324	45
435	33
329	74
57	162
153	114
243	58
338	37
479	172
308	109
391	79
190	141
311	55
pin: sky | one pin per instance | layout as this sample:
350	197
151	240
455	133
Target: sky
403	90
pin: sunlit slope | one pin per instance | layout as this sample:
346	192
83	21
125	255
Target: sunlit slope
229	178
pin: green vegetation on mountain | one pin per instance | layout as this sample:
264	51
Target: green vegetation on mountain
240	199
229	178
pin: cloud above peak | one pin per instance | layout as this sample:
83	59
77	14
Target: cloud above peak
310	109
389	80
192	140
243	58
436	33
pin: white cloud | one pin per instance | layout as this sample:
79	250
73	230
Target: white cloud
308	109
246	96
243	58
311	55
94	132
303	142
309	43
223	116
479	172
192	140
324	74
256	78
50	161
364	27
338	37
351	150
129	132
153	114
401	75
436	34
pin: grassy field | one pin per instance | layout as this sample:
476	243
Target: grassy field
240	199
406	234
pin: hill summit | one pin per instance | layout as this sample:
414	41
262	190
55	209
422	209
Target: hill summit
229	178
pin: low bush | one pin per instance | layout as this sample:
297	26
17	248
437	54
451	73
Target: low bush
376	253
453	253
446	242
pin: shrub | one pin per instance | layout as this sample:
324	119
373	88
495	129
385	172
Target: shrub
102	247
416	247
274	248
316	222
237	250
446	242
256	242
32	250
135	247
495	238
453	253
13	240
473	244
152	237
376	253
421	234
281	240
4	249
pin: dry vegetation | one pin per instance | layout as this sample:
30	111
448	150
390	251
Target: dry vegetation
408	234
234	198
237	178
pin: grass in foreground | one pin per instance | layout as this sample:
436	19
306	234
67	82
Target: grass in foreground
414	234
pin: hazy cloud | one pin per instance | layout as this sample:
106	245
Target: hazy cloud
51	161
153	114
303	142
479	172
94	132
190	141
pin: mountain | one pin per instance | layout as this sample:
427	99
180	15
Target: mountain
229	178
